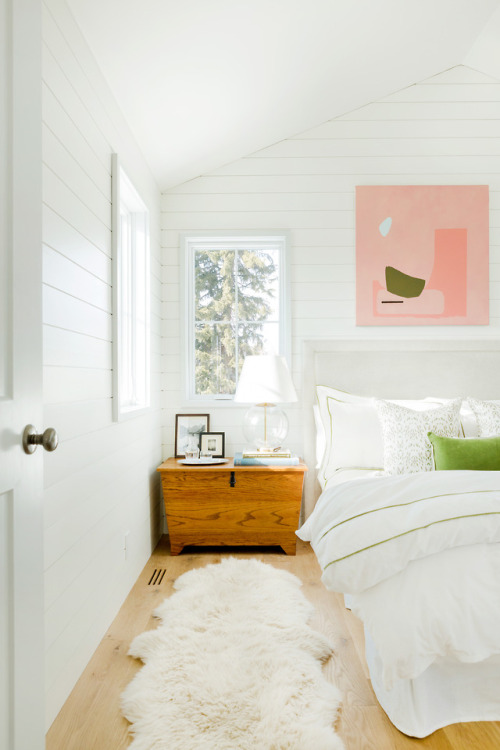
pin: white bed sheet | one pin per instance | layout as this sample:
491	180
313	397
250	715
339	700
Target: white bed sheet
429	600
347	475
367	530
448	692
446	606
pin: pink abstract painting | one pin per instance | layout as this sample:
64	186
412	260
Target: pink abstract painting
422	255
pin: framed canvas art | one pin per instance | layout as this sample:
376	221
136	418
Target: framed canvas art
422	255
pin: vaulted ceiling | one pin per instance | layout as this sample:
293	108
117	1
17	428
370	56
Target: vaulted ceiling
204	82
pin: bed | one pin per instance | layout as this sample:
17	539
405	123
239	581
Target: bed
414	550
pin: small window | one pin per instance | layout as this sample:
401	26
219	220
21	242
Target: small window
131	331
236	303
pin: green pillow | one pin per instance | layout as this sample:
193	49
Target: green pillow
475	454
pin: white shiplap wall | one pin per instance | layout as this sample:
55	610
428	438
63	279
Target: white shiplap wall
101	481
445	130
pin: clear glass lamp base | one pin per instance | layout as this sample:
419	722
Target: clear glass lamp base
265	426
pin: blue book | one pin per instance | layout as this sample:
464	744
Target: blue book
265	461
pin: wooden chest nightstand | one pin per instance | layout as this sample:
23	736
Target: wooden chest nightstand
232	505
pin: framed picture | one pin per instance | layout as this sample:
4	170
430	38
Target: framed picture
422	255
188	426
213	442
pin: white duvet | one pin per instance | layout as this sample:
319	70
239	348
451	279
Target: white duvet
420	554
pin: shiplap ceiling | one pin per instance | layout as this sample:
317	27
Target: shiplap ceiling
204	82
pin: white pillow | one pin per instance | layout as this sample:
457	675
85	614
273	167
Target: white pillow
352	432
407	449
468	420
470	427
355	435
487	414
320	436
323	393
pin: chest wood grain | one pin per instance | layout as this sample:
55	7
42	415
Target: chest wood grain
228	505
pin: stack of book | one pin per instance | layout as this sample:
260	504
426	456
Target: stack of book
266	458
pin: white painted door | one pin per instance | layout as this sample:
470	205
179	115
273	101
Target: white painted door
21	562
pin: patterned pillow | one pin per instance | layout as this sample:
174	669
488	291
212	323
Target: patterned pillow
407	449
487	414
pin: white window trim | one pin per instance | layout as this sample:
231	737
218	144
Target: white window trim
188	244
121	413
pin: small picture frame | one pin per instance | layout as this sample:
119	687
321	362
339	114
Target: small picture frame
213	443
189	426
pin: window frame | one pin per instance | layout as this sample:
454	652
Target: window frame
125	192
189	242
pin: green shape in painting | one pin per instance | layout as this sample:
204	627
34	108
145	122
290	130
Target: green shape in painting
401	284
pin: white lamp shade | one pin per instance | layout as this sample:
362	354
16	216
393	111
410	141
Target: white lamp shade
265	379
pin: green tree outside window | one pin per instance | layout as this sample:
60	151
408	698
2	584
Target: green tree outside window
236	312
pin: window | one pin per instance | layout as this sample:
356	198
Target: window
236	303
130	298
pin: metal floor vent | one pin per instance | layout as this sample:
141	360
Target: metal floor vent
157	577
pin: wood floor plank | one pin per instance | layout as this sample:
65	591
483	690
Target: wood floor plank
473	735
91	718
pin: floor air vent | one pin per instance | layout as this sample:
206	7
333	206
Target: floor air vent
157	577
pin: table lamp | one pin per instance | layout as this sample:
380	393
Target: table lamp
265	381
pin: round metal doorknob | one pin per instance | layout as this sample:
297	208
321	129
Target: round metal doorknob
32	439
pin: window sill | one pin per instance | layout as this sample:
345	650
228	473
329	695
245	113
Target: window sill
124	415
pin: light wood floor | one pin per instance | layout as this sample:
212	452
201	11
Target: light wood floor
91	719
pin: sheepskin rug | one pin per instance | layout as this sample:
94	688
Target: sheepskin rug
233	666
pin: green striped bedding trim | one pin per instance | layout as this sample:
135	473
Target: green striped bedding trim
403	505
347	393
329	412
410	531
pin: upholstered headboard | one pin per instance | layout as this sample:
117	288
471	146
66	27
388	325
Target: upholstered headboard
395	368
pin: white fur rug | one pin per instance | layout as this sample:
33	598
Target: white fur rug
233	666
